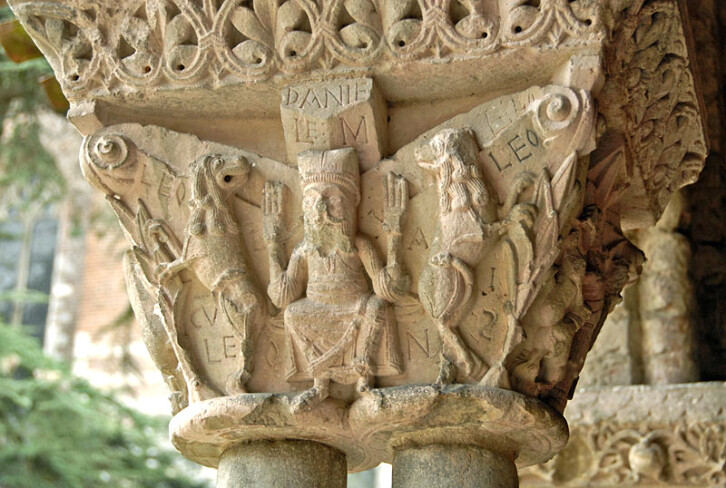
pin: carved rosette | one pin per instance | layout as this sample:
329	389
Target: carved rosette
374	299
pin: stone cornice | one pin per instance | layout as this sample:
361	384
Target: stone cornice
102	48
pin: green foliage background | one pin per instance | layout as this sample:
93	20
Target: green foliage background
28	173
56	431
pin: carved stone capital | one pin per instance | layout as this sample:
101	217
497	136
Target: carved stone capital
378	225
641	436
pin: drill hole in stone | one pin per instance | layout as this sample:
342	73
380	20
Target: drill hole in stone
227	178
518	29
401	43
180	67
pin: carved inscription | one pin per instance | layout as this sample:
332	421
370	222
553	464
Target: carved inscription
447	283
481	237
518	148
352	136
422	343
219	266
306	131
418	240
210	360
201	316
485	323
313	132
335	114
219	349
499	115
327	96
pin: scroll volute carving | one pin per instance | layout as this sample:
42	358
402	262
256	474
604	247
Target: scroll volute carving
489	269
193	269
651	101
481	257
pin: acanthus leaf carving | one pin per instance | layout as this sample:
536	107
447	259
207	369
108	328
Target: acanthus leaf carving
357	285
525	228
651	144
671	435
185	235
654	107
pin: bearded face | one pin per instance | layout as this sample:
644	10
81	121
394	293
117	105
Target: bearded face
329	215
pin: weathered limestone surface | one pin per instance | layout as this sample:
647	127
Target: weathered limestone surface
165	48
324	115
665	302
649	436
378	425
392	228
452	467
186	234
650	338
685	447
294	464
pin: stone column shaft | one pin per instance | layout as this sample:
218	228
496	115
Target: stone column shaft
283	464
453	466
